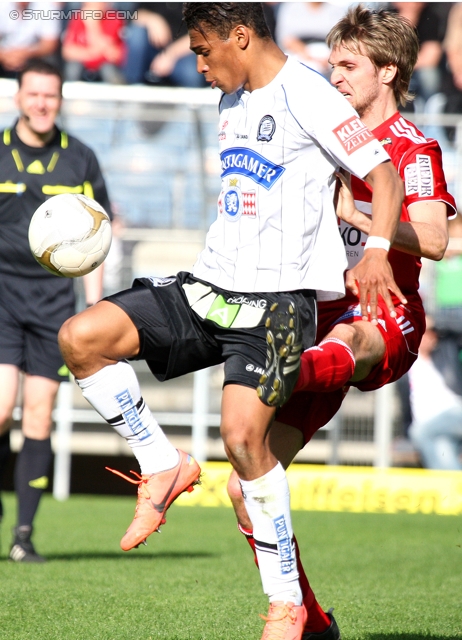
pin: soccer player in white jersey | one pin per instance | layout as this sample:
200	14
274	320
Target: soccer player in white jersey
373	56
283	133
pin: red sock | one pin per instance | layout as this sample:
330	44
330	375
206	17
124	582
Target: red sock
326	367
318	621
250	539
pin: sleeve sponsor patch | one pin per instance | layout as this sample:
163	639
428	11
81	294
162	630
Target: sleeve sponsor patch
353	134
418	177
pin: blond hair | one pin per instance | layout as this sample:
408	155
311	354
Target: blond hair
385	38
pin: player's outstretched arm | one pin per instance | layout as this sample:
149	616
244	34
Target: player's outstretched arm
425	235
373	276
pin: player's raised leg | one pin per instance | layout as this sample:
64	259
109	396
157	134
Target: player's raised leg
95	345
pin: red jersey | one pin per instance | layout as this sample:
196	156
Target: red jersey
419	163
420	166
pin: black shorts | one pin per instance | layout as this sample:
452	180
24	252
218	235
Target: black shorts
32	311
185	324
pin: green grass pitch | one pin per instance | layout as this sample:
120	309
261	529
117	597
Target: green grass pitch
389	577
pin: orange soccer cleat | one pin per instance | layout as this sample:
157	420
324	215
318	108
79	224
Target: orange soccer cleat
156	492
285	621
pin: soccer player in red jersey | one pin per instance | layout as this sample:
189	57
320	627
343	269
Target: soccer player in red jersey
373	54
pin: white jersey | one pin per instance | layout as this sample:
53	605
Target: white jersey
280	145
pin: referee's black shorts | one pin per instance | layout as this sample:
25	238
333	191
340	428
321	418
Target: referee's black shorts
32	311
185	324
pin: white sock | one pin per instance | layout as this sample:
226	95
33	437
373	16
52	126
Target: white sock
115	394
267	500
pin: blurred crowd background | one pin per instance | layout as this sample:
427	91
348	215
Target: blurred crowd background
147	43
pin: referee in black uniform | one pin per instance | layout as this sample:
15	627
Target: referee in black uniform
37	161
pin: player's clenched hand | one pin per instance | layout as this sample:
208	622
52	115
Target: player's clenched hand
371	277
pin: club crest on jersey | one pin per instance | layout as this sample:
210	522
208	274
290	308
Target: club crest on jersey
266	129
234	203
353	134
243	161
231	202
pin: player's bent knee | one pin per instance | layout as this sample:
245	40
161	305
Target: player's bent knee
238	449
79	341
242	452
73	334
348	333
363	338
237	440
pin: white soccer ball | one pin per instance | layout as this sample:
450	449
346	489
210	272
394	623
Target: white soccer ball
70	235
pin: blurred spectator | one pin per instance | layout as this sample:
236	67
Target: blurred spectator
448	282
158	47
452	79
436	429
430	20
93	48
24	38
301	30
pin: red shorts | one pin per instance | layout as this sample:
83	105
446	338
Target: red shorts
309	411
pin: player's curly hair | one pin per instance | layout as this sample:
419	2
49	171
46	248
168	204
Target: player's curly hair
383	36
222	17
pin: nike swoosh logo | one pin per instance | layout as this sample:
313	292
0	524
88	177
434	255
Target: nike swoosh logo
161	506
